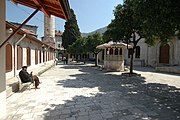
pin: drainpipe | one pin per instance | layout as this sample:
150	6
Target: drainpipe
15	52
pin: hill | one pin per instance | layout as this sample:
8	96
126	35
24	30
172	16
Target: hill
101	31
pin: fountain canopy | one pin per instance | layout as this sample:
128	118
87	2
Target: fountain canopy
114	55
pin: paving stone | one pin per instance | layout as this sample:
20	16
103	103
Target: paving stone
107	115
80	92
97	116
82	118
83	113
71	118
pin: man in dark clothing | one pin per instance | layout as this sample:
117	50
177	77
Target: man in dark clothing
26	77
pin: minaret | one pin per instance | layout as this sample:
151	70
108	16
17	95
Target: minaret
49	30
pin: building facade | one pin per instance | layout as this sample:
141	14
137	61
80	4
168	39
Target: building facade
158	55
27	45
24	50
30	29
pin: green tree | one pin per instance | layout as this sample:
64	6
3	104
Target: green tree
79	47
125	27
93	41
160	18
71	32
150	19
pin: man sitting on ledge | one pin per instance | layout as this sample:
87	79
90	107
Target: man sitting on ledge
26	77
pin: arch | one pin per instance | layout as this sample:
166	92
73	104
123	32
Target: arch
137	54
111	51
8	58
107	52
164	53
120	52
28	56
103	54
19	57
116	51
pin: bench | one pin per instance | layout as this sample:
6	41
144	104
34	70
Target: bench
22	85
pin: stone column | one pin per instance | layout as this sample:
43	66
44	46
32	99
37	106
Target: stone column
108	58
113	55
118	54
15	59
3	61
105	54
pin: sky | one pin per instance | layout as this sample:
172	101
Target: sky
90	14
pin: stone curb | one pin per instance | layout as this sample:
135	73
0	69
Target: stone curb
44	70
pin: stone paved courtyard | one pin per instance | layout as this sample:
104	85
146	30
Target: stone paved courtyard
78	92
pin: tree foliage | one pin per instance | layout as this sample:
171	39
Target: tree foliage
93	41
71	32
85	45
160	19
125	27
150	19
78	47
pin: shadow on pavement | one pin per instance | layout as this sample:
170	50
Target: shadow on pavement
119	98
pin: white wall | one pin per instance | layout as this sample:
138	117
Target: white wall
25	43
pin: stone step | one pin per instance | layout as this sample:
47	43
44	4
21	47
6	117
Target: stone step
170	69
12	88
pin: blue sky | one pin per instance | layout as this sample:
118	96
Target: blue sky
90	14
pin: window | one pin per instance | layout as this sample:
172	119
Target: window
103	54
120	52
116	51
111	51
137	55
59	45
107	52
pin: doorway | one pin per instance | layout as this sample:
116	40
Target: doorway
164	54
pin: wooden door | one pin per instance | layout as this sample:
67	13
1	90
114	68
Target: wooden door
164	54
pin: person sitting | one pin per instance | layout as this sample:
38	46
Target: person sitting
26	77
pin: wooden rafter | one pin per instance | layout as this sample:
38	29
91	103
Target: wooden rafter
59	8
42	6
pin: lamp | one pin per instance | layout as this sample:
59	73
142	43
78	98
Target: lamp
10	30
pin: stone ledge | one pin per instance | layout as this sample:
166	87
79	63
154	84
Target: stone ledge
169	69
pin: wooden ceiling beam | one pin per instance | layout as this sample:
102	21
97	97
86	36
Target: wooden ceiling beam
60	15
43	8
60	2
59	8
28	4
55	7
